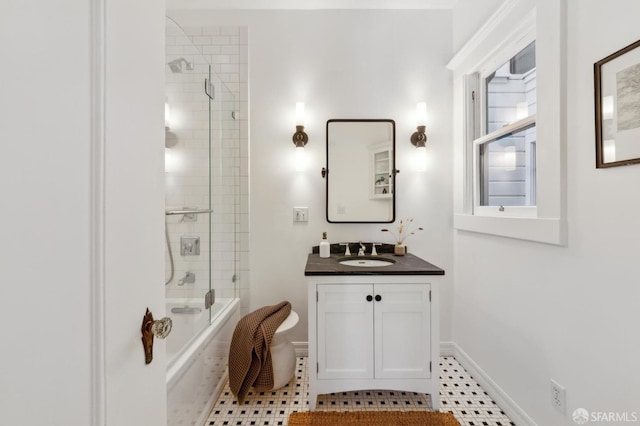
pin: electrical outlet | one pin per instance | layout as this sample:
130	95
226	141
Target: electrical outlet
558	395
301	214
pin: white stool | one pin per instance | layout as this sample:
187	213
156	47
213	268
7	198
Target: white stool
283	355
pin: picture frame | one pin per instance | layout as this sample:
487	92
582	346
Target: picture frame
617	107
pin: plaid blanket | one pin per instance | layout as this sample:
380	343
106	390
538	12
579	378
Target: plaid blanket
249	354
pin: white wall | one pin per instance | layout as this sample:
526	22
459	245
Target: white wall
44	257
466	18
528	312
342	64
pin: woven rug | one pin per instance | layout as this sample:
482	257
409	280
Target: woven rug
372	418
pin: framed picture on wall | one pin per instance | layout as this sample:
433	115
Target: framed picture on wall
617	107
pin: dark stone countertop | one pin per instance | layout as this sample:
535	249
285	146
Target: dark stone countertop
404	265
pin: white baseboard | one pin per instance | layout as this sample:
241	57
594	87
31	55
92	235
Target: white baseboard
302	348
508	405
447	348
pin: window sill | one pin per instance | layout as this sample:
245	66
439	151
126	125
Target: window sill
547	230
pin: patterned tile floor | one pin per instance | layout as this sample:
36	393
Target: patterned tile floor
459	394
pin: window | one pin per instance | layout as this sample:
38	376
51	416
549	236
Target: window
507	172
508	156
505	152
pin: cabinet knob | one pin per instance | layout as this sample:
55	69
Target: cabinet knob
378	298
369	298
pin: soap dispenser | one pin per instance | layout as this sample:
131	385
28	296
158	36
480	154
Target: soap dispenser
325	250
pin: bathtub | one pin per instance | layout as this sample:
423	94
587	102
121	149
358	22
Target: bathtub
197	373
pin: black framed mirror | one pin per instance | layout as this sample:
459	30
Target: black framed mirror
361	171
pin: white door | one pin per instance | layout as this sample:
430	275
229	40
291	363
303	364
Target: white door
135	393
402	331
345	331
81	182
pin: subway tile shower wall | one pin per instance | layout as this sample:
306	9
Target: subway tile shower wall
225	48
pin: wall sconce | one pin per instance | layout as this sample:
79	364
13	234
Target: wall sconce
419	137
300	138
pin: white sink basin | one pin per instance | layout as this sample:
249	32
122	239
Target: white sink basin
367	262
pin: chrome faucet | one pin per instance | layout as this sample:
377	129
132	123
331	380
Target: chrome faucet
346	252
188	278
361	249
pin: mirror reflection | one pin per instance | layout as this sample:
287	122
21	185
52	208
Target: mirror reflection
361	165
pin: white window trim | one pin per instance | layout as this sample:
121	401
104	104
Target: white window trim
517	18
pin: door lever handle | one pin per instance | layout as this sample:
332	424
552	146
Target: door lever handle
159	328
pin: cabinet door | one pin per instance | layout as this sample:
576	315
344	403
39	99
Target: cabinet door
345	331
402	331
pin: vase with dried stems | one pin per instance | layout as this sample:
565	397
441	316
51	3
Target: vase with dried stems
405	230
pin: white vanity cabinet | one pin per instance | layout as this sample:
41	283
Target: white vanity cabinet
373	332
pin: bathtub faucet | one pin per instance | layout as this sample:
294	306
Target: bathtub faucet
188	278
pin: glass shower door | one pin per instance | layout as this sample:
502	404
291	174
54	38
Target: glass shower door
202	181
187	190
225	189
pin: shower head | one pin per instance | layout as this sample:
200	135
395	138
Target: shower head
177	65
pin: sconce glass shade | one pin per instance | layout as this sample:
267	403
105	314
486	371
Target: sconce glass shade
421	114
300	114
300	138
419	137
167	115
301	159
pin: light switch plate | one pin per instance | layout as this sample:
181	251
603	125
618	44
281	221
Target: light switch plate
301	214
